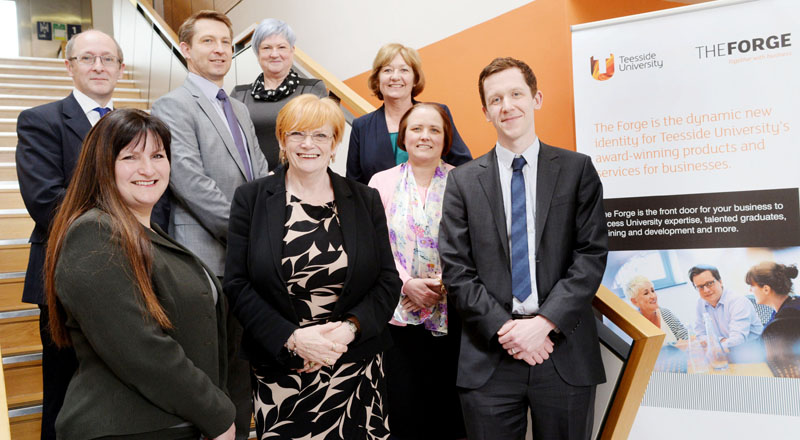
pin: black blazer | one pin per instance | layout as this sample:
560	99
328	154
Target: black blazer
49	139
370	148
254	281
571	250
133	377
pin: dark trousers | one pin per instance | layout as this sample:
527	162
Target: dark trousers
499	409
238	377
421	395
58	366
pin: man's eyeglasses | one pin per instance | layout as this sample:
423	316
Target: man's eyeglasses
705	286
89	60
317	138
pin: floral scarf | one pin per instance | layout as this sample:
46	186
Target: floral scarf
413	234
287	87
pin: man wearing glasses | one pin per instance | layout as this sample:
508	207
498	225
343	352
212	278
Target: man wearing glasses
49	142
733	315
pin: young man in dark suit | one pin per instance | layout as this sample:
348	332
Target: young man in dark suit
49	142
523	244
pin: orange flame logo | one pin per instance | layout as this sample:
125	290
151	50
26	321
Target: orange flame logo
596	68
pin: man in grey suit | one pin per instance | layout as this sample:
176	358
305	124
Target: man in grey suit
214	150
523	244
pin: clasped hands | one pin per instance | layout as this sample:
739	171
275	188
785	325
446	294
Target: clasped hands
320	345
422	293
527	339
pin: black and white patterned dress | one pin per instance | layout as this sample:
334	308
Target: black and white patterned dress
344	401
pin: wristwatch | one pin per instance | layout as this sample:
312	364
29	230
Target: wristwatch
352	326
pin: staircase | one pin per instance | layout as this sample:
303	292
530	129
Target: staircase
24	83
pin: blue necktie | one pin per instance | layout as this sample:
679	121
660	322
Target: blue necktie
520	268
233	124
102	110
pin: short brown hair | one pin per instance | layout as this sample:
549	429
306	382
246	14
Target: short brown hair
385	56
307	112
186	31
500	64
447	126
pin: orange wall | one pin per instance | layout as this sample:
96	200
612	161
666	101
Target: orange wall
538	33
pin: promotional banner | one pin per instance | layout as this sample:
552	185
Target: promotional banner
692	119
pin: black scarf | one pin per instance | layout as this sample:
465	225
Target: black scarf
287	87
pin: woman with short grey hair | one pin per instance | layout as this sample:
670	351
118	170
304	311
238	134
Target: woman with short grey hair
273	42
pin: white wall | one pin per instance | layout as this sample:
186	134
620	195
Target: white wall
344	35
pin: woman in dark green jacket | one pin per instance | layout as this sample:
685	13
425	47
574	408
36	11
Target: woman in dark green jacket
144	314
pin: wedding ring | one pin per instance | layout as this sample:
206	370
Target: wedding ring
327	361
311	364
333	347
513	351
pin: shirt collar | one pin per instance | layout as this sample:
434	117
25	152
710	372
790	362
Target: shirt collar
506	156
88	104
208	88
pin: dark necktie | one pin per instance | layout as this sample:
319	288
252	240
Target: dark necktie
102	110
520	268
237	135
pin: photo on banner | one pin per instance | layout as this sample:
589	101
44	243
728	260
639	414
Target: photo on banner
694	128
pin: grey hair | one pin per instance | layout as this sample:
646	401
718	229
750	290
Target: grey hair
635	284
269	27
71	44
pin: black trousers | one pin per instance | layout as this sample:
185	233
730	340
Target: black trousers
58	367
422	399
499	409
238	376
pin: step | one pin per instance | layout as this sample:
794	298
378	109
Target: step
7	125
33	100
56	90
8	170
11	199
26	423
15	223
55	70
14	255
11	111
55	80
23	376
19	332
11	292
33	61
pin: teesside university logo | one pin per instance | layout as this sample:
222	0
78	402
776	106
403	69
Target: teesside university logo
596	68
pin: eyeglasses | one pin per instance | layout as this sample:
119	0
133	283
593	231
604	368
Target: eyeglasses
317	138
705	286
89	60
280	49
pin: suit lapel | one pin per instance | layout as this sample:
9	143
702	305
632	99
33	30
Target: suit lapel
75	119
546	177
489	179
219	124
276	218
384	150
346	211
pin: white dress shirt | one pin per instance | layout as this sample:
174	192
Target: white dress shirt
88	106
504	159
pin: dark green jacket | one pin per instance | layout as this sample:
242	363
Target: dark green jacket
133	377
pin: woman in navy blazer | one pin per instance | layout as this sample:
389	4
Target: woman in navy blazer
396	79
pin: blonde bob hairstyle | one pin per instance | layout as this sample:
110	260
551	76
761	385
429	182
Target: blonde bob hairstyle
385	56
308	112
635	285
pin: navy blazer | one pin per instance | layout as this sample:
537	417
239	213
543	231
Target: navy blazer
254	281
371	152
49	139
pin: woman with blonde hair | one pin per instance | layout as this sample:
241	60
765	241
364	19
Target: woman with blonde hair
310	276
396	79
642	293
